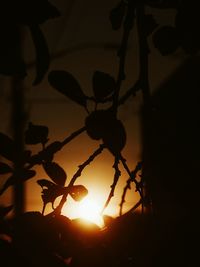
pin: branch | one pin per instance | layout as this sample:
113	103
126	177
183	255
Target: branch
52	148
130	92
128	25
115	180
132	178
78	174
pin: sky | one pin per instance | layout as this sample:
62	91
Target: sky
84	32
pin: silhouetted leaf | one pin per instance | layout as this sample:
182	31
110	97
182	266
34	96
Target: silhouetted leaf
66	84
117	15
5	210
50	150
114	137
55	172
150	24
97	123
23	176
166	40
4	168
103	85
78	192
42	53
7	147
45	183
50	191
36	134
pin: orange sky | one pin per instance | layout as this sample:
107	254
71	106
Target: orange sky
45	106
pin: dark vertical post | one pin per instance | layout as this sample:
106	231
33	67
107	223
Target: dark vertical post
144	82
18	124
18	132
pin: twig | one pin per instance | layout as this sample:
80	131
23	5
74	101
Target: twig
78	174
52	148
115	180
128	24
132	178
131	91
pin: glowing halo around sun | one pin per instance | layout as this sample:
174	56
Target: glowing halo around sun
89	210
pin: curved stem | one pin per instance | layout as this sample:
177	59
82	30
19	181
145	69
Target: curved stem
128	24
115	180
40	156
132	178
78	174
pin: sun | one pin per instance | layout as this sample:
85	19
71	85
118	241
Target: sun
89	210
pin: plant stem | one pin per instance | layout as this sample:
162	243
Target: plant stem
78	174
128	24
115	181
132	178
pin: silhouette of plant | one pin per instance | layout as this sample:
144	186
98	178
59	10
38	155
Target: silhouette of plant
53	240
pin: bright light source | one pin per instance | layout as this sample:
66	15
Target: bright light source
90	210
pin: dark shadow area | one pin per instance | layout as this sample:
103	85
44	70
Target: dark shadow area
171	163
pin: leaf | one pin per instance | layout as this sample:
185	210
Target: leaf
51	192
117	15
5	210
165	39
55	172
103	85
97	123
66	84
36	134
50	150
42	53
115	137
78	192
45	183
4	168
7	147
24	176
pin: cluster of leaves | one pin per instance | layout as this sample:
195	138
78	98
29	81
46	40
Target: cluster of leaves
100	124
38	134
13	16
54	240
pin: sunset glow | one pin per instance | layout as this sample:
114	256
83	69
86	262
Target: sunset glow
88	209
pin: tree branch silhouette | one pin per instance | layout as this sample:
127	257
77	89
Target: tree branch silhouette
52	148
115	181
132	178
78	174
128	25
